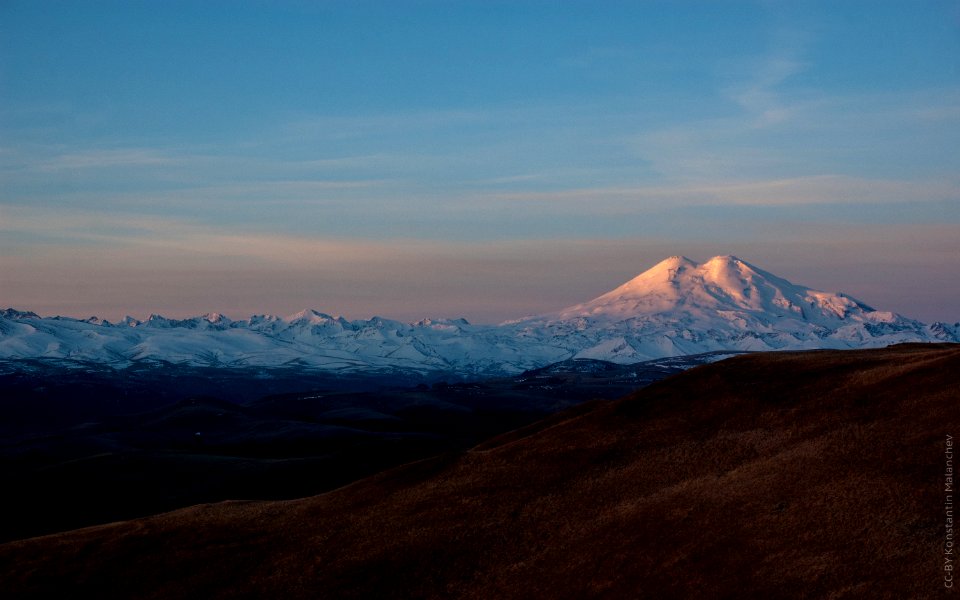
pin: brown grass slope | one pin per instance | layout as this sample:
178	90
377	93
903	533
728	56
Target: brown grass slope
802	474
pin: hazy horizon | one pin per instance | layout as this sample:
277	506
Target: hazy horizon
412	314
471	159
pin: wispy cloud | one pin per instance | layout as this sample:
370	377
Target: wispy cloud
820	189
340	127
829	189
810	135
760	98
119	235
100	159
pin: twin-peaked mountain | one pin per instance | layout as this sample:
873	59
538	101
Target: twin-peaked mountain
677	307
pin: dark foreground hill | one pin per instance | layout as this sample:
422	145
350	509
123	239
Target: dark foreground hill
810	474
123	444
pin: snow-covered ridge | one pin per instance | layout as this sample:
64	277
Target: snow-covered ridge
675	308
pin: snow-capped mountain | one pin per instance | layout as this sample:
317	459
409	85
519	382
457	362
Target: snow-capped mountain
677	307
681	307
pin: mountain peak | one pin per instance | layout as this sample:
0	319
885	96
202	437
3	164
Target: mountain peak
664	271
728	259
309	315
12	313
722	288
672	262
215	318
655	290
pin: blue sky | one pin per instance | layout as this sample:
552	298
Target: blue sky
486	159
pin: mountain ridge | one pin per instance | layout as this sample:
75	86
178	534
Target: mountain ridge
677	307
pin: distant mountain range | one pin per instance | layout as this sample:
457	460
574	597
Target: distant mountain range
677	307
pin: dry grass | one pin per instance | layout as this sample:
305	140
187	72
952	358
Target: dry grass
815	474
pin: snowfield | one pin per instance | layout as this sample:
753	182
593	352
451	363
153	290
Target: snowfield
678	307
